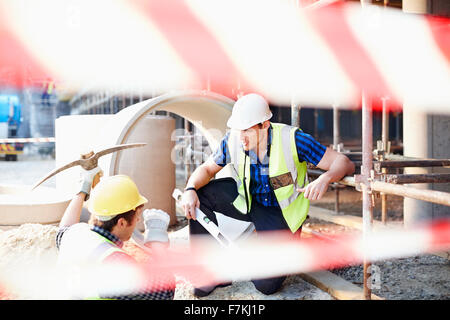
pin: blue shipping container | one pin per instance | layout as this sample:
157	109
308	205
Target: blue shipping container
5	104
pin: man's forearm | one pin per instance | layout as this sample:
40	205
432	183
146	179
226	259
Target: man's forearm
199	178
340	168
73	211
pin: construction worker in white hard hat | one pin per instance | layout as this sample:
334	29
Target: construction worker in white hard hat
269	187
116	206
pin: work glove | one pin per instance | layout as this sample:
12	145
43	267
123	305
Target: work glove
156	223
87	180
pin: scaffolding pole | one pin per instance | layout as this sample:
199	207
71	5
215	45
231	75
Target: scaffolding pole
336	141
418	178
187	162
295	114
385	143
378	165
367	214
367	146
433	196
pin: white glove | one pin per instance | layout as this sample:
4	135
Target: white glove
156	223
86	179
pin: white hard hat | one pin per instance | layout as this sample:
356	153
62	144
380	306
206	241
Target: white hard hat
249	110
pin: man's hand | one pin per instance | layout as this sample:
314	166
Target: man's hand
316	189
87	179
336	165
199	178
155	223
189	202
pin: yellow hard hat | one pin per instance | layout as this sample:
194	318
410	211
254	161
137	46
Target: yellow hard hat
114	195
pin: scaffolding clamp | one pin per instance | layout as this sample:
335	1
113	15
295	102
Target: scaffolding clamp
367	181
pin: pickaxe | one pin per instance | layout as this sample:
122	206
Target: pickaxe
89	161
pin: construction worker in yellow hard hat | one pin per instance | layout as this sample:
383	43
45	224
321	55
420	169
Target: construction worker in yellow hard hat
270	186
116	206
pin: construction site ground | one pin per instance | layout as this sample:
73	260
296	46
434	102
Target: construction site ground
424	277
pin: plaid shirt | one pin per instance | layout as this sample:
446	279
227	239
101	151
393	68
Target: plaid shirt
308	149
108	235
155	284
104	233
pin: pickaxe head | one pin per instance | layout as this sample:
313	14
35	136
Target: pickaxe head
88	161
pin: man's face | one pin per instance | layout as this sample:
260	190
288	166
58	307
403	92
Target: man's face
250	137
128	230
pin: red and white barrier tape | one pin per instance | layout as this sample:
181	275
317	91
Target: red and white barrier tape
276	253
27	140
320	56
267	255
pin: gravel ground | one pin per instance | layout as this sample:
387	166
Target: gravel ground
425	277
350	203
294	288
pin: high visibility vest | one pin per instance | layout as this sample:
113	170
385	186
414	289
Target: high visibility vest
81	247
50	87
286	174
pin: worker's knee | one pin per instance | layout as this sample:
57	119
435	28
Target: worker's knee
268	286
204	195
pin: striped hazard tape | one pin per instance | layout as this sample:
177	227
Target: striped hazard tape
269	254
11	148
27	140
7	147
322	56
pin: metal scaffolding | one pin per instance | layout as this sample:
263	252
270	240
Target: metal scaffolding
375	177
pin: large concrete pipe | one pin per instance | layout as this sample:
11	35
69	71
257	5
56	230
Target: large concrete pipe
78	134
151	166
424	136
18	205
206	110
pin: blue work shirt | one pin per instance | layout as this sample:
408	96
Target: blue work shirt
308	149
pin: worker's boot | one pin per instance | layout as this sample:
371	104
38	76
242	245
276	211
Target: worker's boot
206	290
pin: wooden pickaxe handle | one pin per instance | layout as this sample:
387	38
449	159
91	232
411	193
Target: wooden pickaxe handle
96	179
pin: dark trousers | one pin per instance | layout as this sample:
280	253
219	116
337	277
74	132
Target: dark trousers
218	195
45	98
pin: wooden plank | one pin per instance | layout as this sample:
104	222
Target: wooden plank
336	286
445	255
347	220
330	216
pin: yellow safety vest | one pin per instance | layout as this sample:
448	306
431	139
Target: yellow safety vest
50	86
286	174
